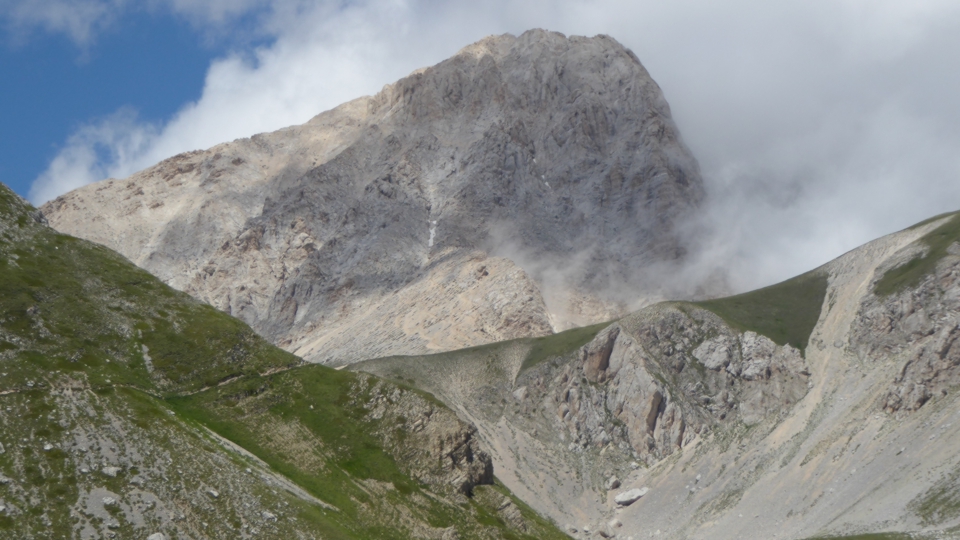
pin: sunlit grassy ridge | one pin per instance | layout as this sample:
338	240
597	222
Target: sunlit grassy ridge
486	363
75	306
79	320
910	275
560	344
344	448
786	312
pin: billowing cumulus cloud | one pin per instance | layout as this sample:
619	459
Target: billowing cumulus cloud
818	125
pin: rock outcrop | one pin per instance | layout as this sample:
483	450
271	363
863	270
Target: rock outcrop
432	444
523	185
629	497
919	327
727	432
655	394
641	390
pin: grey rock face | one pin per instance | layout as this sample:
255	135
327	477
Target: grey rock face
629	400
715	353
919	328
520	186
436	448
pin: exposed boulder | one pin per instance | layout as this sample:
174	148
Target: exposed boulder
629	497
717	352
509	512
612	483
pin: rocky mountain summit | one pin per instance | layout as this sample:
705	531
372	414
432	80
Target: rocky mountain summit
525	185
821	407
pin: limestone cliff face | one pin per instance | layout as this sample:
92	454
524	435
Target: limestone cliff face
520	186
657	380
918	328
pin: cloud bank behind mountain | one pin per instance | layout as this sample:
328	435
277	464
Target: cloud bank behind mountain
818	125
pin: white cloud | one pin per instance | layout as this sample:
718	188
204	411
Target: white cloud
95	152
819	125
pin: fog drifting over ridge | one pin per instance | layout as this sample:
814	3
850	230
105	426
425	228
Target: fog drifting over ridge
818	125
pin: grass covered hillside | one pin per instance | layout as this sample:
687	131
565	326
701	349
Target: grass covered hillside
785	312
911	273
128	409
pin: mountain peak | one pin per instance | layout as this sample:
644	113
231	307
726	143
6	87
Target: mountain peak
524	185
536	71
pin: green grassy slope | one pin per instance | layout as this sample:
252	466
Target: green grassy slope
101	363
910	275
314	425
493	356
559	344
786	312
72	306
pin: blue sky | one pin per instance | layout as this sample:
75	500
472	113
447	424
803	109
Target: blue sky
818	124
151	63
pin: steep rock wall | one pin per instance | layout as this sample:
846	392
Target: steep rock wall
548	166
